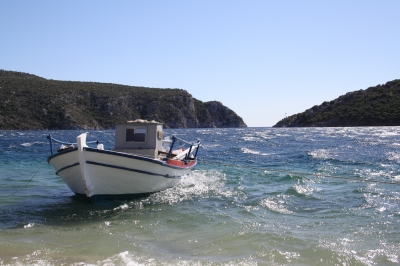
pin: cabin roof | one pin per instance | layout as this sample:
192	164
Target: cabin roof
143	121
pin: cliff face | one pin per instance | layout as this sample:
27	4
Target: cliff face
375	106
31	102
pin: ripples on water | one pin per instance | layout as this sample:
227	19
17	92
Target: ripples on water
259	196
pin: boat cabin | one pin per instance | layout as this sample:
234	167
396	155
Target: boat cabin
139	137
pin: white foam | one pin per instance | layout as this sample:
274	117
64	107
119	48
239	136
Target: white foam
275	204
249	138
381	209
396	177
204	132
29	225
321	154
123	258
248	151
209	146
290	255
196	184
304	190
28	144
393	156
122	207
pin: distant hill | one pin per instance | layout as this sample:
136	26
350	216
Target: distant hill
31	102
375	106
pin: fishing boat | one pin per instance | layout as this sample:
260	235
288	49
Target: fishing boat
141	163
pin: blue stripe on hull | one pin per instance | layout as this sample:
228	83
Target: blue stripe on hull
66	167
129	169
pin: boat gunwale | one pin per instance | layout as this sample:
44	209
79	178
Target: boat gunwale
60	153
121	154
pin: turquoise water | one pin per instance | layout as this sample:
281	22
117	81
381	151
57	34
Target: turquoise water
259	196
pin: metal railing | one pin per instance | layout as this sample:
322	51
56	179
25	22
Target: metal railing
51	139
192	145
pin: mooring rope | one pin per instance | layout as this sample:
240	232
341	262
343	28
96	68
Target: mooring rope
299	173
15	192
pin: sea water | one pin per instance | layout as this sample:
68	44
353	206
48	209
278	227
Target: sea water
258	196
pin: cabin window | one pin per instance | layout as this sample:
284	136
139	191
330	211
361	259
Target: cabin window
135	135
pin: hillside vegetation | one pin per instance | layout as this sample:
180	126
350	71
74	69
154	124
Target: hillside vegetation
31	102
375	106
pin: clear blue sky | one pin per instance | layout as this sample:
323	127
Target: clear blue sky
263	59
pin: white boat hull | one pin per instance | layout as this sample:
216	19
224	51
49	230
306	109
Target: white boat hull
110	174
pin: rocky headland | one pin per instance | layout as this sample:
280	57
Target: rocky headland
375	106
30	102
